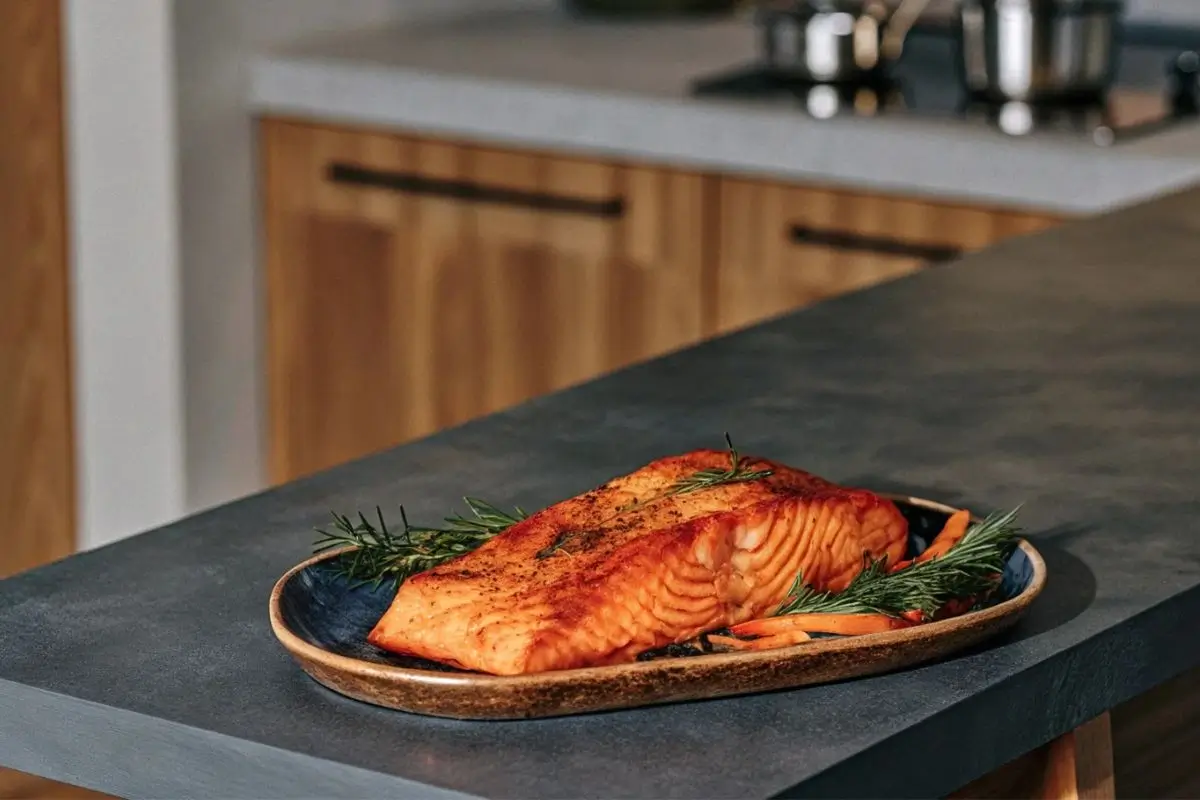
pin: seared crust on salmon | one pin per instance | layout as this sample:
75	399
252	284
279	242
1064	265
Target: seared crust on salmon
635	565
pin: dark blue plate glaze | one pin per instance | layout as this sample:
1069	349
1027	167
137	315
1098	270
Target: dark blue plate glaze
327	611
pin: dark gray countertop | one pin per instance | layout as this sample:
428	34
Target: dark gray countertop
1060	371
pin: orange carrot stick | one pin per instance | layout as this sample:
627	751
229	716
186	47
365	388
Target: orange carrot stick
951	534
844	624
762	643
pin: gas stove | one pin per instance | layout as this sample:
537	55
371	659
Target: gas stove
1156	86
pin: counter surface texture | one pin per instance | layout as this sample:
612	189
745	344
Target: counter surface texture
538	79
1059	371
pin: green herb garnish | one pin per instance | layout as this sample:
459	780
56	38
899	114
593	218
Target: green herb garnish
967	569
380	553
710	478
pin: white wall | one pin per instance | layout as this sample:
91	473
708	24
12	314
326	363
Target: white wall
124	266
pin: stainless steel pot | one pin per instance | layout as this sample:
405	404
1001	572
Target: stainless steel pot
835	41
1039	50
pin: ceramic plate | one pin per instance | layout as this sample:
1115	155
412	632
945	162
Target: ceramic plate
323	622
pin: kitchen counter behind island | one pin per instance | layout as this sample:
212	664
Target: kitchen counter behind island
1058	371
538	79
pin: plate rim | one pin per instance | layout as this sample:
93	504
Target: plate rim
301	649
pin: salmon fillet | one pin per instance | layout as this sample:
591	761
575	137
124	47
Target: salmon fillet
631	566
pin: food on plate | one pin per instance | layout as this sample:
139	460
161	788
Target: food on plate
638	563
694	553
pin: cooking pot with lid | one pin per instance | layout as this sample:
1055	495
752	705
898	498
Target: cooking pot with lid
1039	50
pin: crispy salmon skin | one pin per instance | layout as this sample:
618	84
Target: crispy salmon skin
636	564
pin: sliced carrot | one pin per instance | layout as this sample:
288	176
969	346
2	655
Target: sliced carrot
730	642
951	534
843	624
763	643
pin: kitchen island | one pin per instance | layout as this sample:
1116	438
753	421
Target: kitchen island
1059	371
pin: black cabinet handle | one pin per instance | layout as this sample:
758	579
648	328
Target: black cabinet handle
840	240
410	183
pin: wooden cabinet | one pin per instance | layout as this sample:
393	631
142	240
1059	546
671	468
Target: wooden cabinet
783	246
37	454
415	284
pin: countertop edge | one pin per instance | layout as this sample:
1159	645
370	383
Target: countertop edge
889	159
1066	708
90	739
96	739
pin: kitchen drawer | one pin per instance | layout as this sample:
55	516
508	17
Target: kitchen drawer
413	284
782	246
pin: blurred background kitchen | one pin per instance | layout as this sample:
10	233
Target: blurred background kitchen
245	240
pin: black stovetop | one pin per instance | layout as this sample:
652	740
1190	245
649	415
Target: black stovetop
1154	90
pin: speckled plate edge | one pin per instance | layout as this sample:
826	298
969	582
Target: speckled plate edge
578	691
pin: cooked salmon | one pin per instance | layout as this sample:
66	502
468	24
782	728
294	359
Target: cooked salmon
648	559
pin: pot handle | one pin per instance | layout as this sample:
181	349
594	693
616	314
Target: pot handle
898	26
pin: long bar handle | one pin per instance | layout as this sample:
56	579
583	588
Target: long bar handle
466	191
854	242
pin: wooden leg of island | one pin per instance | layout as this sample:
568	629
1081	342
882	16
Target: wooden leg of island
19	786
1076	766
1080	764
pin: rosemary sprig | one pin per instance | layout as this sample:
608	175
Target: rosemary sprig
965	570
379	553
709	478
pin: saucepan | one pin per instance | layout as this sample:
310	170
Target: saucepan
835	41
1039	50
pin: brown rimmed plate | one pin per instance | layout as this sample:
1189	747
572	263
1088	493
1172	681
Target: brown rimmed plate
323	623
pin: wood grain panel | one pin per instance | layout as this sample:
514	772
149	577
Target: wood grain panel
37	484
762	272
1147	747
20	786
1156	741
1075	766
460	306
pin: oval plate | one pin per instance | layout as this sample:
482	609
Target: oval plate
323	622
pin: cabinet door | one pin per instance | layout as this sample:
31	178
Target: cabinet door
783	247
37	447
415	284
